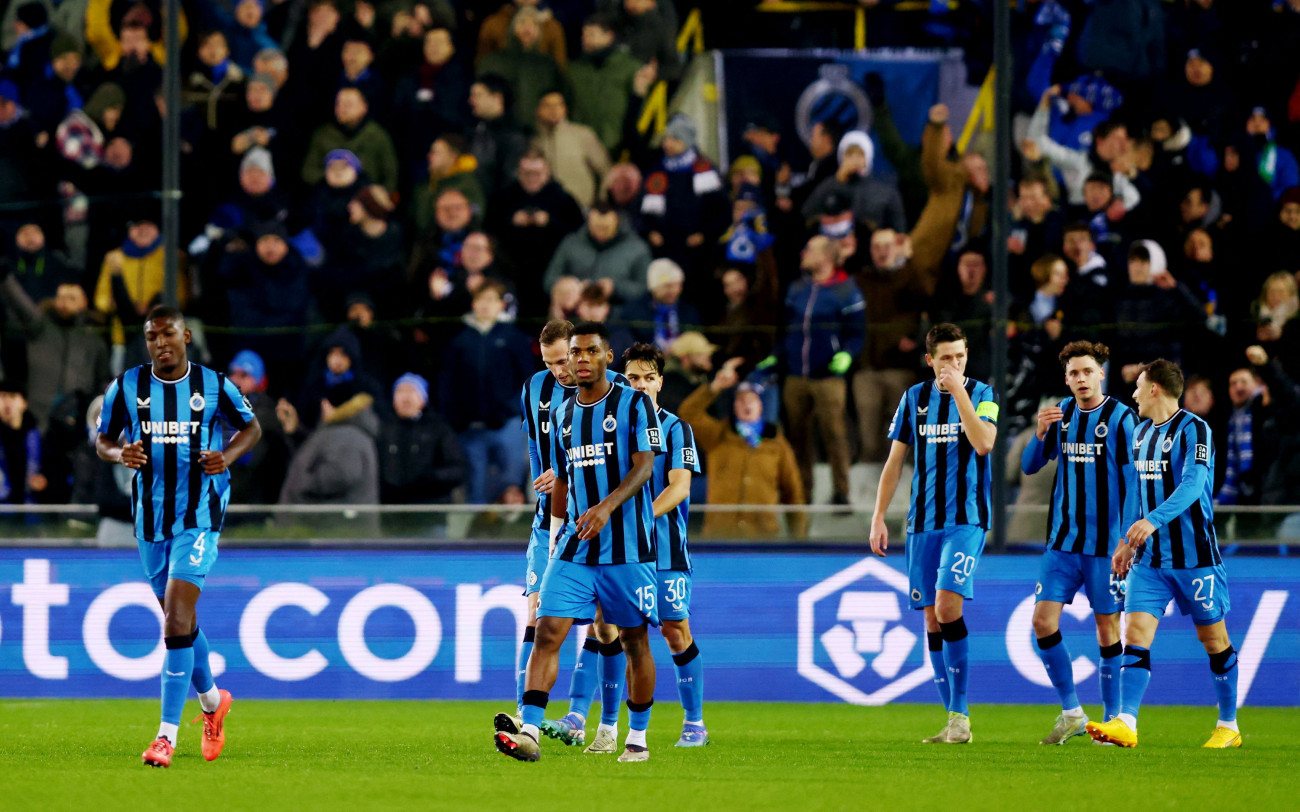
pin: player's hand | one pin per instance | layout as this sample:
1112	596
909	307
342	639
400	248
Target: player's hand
133	455
214	462
1046	417
879	537
592	521
1122	561
546	482
950	380
1140	532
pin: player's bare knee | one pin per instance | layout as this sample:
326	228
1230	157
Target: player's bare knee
1108	629
677	634
931	621
604	632
948	610
636	641
1214	638
550	634
1045	622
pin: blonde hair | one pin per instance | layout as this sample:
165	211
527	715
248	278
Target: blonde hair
1286	278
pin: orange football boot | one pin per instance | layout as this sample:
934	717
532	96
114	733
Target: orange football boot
159	753
214	728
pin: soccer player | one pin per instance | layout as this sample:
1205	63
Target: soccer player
643	365
1091	434
604	441
602	655
1172	553
952	424
167	413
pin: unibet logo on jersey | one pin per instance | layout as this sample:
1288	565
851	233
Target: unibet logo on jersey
585	455
170	431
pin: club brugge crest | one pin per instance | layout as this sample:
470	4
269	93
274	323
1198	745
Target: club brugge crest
835	96
197	403
1101	430
1167	445
610	423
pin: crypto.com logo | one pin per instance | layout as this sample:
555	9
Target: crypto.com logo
863	619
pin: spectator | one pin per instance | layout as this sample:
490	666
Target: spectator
1124	39
752	310
606	251
531	216
267	290
18	151
138	265
451	166
497	32
1285	236
1089	301
565	295
824	332
259	204
593	305
353	130
21	478
340	376
875	201
494	137
659	316
1198	98
382	353
216	84
1275	313
338	463
749	462
822	145
484	368
685	206
530	71
328	207
573	150
438	248
649	29
30	52
687	366
1276	164
246	32
431	101
1109	144
370	258
54	93
1264	400
420	460
970	306
265	121
358	58
1153	319
66	354
38	269
255	478
606	79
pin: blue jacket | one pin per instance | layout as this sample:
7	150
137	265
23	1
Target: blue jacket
821	320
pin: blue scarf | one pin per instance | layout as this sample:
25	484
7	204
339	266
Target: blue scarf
17	53
332	379
751	431
70	93
1241	454
666	326
681	163
136	252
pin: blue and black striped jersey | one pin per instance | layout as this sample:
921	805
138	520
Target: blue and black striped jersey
1089	499
1175	483
951	484
592	446
541	394
670	528
176	420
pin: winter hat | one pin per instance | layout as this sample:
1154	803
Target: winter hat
343	155
64	43
858	138
682	128
251	363
420	384
258	158
663	272
33	15
105	97
1159	263
9	90
343	338
1291	195
358	297
745	162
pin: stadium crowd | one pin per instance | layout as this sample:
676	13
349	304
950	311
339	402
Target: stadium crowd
437	179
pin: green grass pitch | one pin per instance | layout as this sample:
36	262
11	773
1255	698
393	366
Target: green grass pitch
321	755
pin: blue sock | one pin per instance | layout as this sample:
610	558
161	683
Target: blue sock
521	667
613	673
956	650
935	641
582	687
202	677
1224	666
534	707
1109	677
178	664
1060	668
638	716
1134	677
690	683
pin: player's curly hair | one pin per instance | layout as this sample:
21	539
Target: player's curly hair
1078	349
647	353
